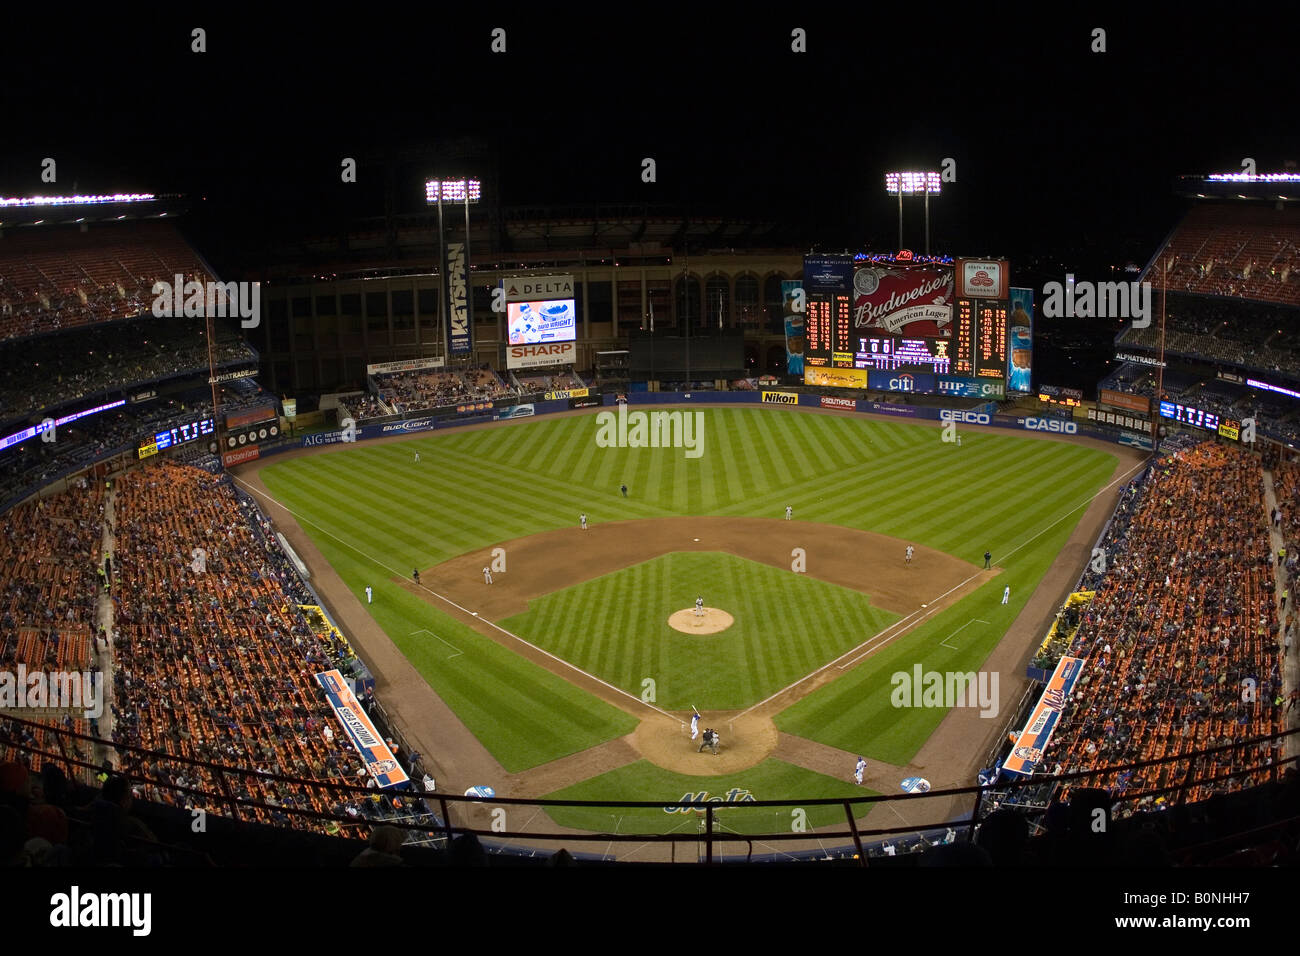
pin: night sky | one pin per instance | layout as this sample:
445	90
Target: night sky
1061	153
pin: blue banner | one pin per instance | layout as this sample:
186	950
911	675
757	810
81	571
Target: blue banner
379	760
970	387
458	316
1020	340
827	273
794	330
921	382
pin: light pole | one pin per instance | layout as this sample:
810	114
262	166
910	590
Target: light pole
909	184
454	190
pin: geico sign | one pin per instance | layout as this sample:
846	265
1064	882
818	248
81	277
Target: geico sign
970	418
1052	425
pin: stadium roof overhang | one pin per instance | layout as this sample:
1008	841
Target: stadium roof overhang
54	209
1265	187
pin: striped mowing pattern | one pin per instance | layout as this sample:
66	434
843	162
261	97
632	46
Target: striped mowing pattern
385	515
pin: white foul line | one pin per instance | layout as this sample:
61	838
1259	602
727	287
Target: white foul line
304	521
878	636
973	620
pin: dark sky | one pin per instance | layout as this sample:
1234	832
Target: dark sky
1059	151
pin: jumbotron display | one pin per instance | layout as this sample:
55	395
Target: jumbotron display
894	314
180	435
532	323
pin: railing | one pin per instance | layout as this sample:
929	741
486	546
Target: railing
735	818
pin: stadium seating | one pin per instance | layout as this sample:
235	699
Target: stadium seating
1185	612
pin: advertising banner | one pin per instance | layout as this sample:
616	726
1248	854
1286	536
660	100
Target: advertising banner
888	408
232	458
983	278
915	302
780	398
405	365
794	329
376	756
584	401
1032	741
515	411
290	408
1020	340
848	404
259	414
251	434
568	393
970	387
1133	403
920	382
458	305
537	288
835	377
537	356
827	273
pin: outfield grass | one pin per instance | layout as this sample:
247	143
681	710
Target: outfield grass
770	780
375	514
616	627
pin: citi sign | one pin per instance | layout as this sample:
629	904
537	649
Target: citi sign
903	383
1052	425
969	418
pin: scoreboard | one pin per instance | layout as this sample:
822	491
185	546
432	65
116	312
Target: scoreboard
828	328
892	352
991	339
179	435
964	336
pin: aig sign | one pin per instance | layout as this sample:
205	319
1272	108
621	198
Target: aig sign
970	418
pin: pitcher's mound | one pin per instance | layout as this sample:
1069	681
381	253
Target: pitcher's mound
711	621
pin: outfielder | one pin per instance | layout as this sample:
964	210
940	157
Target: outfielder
370	594
417	457
858	769
487	575
1006	594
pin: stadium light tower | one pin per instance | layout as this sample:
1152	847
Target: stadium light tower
910	184
458	331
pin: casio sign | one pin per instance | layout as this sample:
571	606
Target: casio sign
1052	425
970	418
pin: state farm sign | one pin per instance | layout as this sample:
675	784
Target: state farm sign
533	356
983	278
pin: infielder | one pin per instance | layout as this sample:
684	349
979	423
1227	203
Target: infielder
370	594
695	726
789	512
858	769
487	575
582	520
1006	594
910	551
699	606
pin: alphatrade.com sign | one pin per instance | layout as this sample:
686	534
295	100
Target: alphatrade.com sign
780	398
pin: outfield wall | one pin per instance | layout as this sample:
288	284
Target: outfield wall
985	415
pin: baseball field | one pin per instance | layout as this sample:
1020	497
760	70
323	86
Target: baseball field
564	678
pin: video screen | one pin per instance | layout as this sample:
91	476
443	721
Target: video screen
551	320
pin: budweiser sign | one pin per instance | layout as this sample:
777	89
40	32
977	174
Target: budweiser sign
916	302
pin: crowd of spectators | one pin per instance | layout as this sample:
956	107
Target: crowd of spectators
214	659
1184	613
565	381
1250	335
52	371
406	392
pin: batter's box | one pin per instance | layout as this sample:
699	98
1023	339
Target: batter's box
945	641
425	630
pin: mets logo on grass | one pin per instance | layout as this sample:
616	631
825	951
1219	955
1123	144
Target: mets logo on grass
734	795
626	429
